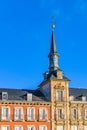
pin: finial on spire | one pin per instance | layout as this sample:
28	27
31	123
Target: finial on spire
53	22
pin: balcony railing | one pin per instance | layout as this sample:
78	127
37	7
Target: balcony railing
23	117
5	117
59	117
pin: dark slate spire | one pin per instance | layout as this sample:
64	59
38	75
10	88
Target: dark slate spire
53	44
53	55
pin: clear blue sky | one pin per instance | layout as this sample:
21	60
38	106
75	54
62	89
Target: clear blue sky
25	36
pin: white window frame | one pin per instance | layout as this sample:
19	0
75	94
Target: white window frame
29	116
8	127
21	117
43	127
31	126
18	126
44	117
2	113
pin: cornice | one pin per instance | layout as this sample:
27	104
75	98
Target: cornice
25	102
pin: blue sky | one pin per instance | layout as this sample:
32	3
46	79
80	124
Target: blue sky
25	36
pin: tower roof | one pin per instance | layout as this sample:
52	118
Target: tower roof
53	43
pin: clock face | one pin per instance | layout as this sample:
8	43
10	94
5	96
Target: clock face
46	90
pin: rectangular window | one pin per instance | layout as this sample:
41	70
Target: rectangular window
74	127
59	95
18	114
60	128
74	113
30	128
42	127
42	113
5	113
4	127
18	128
31	114
60	114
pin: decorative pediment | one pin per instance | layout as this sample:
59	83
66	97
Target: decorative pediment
59	86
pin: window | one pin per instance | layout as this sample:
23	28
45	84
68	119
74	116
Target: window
18	114
42	127
42	113
74	113
59	114
30	128
31	114
74	127
18	128
4	127
59	95
60	127
5	113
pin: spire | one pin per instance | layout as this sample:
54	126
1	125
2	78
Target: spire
53	43
53	55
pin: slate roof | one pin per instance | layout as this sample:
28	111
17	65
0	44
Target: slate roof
21	94
78	92
53	74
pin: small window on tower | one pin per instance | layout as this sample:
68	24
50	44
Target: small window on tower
59	95
4	95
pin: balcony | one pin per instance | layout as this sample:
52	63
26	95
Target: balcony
43	118
19	117
30	118
5	117
59	117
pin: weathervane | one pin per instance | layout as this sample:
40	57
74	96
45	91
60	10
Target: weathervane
53	22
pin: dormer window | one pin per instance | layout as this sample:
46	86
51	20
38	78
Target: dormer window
29	96
4	96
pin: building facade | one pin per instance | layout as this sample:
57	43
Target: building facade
52	106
